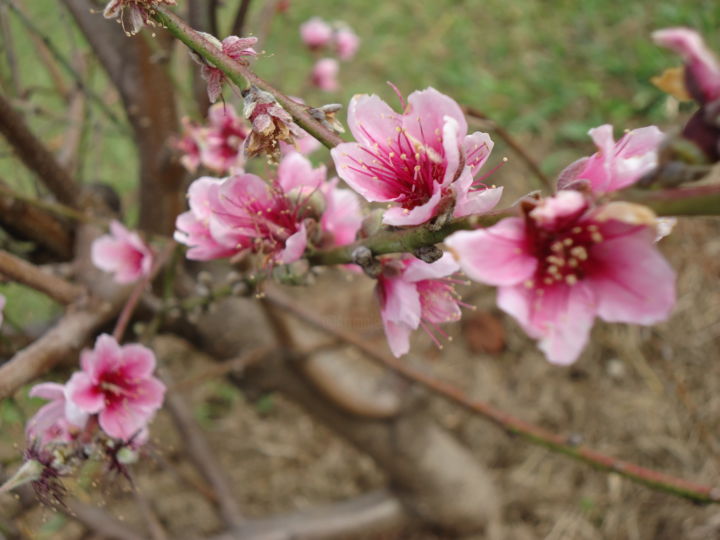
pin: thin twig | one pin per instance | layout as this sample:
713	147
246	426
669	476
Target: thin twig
35	155
535	434
66	65
514	145
202	456
220	369
140	286
157	531
28	274
238	25
239	73
99	521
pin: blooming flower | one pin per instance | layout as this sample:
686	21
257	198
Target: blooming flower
189	144
346	43
616	165
422	161
123	253
564	263
134	14
412	293
316	33
223	148
57	421
243	213
324	74
233	46
116	383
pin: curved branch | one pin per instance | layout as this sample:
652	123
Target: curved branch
28	274
535	434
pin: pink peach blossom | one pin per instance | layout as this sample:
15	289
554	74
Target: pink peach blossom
116	382
324	74
193	226
346	43
189	144
421	161
234	47
222	150
413	294
123	253
702	74
566	262
315	33
616	165
57	421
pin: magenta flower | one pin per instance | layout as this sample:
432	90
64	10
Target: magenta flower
422	161
342	218
193	226
413	294
565	263
346	43
702	73
222	150
324	74
133	14
116	383
123	253
235	47
616	165
316	33
57	421
189	145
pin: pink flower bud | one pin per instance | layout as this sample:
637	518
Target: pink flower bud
123	253
346	43
324	74
316	33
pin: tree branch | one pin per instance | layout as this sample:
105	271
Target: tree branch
28	274
535	434
687	201
73	330
239	73
374	514
36	156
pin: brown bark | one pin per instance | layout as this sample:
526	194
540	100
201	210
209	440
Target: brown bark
140	74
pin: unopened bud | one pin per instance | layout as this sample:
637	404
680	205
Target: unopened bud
364	258
372	223
30	471
428	254
326	116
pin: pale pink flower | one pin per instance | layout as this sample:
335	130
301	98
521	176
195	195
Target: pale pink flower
57	421
133	14
564	263
222	150
422	161
316	33
413	294
123	253
342	218
116	382
190	143
234	47
346	43
616	165
193	226
324	74
702	73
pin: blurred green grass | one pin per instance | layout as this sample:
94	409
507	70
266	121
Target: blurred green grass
547	71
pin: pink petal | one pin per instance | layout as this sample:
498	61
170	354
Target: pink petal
214	78
418	270
426	112
470	201
296	171
439	304
104	357
83	393
342	218
554	212
398	337
235	46
349	159
632	281
371	120
498	255
122	420
399	301
570	174
149	394
701	62
47	391
477	147
136	361
402	217
294	247
451	148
